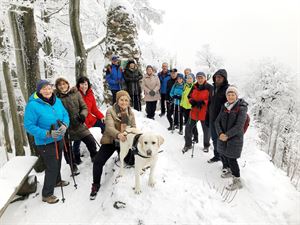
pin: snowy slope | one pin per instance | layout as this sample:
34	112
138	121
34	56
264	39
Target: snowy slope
188	191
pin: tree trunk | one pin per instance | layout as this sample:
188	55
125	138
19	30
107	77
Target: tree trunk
13	109
79	49
13	18
5	124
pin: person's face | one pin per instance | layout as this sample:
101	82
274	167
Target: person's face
164	67
200	79
179	80
84	86
189	80
187	72
63	86
123	102
149	71
219	80
115	62
46	91
231	97
131	66
174	75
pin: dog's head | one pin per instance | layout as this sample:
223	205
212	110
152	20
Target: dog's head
149	143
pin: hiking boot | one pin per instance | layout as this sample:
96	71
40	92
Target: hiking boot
95	189
176	127
75	170
213	159
226	173
236	184
195	140
62	183
170	128
186	148
161	114
50	199
180	132
205	149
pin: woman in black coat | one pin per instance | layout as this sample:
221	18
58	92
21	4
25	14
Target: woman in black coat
132	77
230	129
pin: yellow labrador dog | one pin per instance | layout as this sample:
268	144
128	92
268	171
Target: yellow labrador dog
146	154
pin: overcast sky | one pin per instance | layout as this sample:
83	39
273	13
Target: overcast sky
240	31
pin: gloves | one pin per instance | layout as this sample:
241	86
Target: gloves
200	104
81	118
193	102
151	93
62	129
54	133
177	97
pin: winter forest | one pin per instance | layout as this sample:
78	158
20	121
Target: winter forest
50	39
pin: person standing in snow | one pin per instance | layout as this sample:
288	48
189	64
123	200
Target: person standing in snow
169	100
188	71
185	104
198	98
114	77
151	87
94	118
176	94
42	112
163	76
217	98
230	130
117	118
78	111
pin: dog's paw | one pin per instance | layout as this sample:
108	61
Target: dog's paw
137	190
151	183
120	175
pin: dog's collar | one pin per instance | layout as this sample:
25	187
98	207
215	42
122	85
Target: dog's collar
134	147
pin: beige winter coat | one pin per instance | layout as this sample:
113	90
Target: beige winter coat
151	83
113	124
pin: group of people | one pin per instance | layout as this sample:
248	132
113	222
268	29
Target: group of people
60	119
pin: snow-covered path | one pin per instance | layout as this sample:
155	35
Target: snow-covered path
188	191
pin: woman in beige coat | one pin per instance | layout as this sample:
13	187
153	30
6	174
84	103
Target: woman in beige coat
151	87
117	118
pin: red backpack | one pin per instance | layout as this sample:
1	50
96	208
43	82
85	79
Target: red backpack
247	122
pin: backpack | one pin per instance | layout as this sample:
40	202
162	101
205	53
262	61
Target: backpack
247	122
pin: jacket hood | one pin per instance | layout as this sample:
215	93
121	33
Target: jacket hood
221	72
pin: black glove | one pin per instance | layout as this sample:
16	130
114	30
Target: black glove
151	93
200	104
177	97
81	118
193	102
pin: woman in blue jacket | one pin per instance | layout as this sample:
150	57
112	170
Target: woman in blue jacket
47	120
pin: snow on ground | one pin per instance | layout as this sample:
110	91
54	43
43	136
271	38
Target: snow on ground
188	191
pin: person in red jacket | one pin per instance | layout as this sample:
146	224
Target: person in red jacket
198	98
94	118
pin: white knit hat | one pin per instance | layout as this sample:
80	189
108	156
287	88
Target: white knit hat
233	89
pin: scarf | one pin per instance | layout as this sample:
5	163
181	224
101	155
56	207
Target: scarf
50	101
230	106
123	115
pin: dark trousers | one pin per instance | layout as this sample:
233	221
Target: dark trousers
191	128
89	141
185	114
172	113
105	152
136	102
163	103
52	172
214	137
150	109
232	164
76	144
114	94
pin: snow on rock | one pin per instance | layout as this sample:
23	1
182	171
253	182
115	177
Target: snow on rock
188	190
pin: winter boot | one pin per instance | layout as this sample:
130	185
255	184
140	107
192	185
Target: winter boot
205	149
50	199
186	148
236	184
180	132
62	183
75	170
95	189
213	159
226	173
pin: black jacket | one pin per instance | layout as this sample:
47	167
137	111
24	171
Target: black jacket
170	84
132	79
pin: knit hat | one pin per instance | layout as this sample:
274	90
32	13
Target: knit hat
173	70
60	79
122	93
199	74
180	75
190	76
41	84
232	89
114	58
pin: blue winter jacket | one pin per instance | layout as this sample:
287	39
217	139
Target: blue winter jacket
114	77
163	82
177	91
40	115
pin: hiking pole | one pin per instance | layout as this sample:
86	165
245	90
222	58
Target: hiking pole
173	119
57	158
70	155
